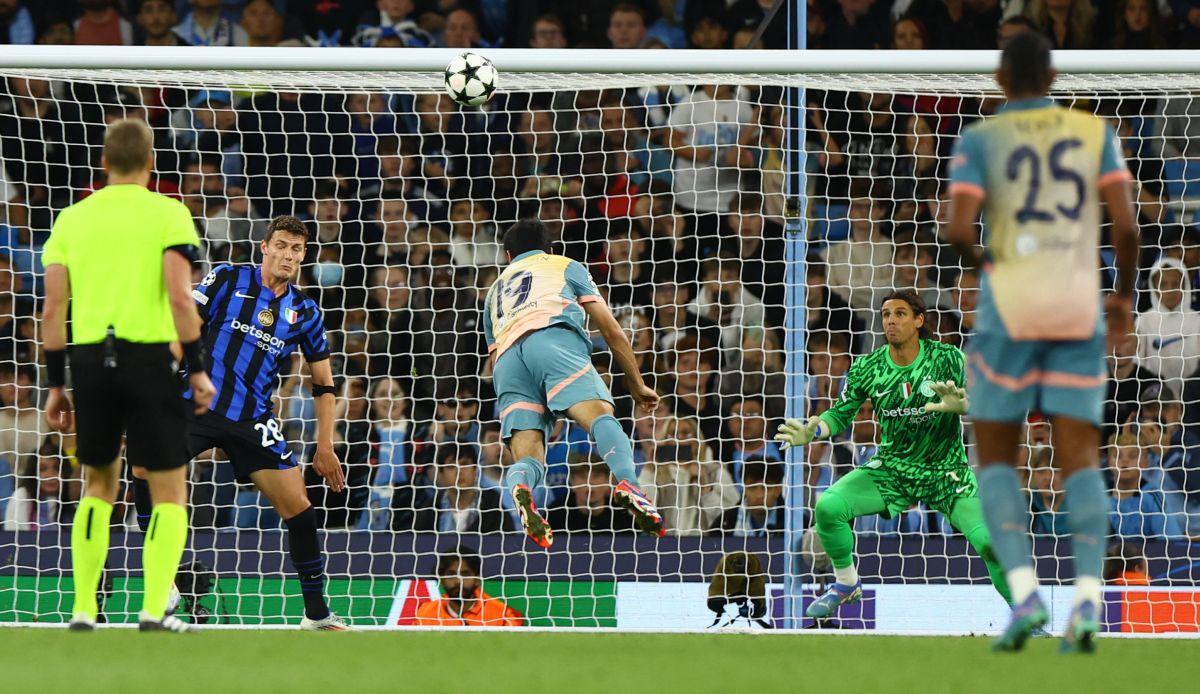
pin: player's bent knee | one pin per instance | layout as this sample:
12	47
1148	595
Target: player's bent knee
831	509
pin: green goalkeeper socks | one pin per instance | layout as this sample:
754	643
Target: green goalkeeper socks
165	539
89	549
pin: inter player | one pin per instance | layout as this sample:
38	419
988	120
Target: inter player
533	320
122	261
913	383
1039	173
254	318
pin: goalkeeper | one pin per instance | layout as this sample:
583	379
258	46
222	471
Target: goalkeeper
915	386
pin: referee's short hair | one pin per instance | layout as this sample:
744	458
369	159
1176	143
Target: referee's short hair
128	144
288	223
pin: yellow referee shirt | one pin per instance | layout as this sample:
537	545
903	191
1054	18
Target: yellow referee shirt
112	245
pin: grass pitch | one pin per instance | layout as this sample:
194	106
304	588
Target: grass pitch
221	662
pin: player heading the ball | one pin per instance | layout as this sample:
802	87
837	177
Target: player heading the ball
914	384
1039	172
534	322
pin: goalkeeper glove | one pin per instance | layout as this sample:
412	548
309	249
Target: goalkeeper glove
793	432
951	398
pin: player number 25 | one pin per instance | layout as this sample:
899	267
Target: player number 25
1029	212
270	431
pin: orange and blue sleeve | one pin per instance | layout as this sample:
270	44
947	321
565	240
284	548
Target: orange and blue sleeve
580	283
1112	160
967	166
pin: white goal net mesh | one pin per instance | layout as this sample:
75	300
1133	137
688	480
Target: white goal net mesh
671	189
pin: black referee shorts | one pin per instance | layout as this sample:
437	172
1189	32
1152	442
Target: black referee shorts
140	398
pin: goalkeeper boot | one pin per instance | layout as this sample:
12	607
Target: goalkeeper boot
1080	636
535	526
330	622
646	516
837	595
1027	618
169	623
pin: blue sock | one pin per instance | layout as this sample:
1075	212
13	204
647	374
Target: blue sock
527	471
615	448
1087	519
1007	513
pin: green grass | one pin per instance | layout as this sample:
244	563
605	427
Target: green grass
221	662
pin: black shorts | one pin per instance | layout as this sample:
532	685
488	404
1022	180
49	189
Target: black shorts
139	398
252	445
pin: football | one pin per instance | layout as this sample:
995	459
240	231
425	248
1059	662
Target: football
471	79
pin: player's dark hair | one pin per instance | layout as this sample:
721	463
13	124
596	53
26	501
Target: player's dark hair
1025	63
914	302
527	235
290	224
460	554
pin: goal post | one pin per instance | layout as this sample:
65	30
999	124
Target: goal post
696	186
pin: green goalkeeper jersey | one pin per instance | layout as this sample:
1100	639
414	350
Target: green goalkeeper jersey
914	441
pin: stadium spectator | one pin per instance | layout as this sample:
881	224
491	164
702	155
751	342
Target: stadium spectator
695	390
1012	26
757	369
463	602
710	144
263	23
909	34
473	237
965	296
689	486
1138	26
549	31
101	24
16	23
762	511
725	302
852	25
47	493
461	30
56	30
1137	507
1169	331
156	20
1067	23
459	504
960	24
1046	495
588	505
627	26
748	436
709	33
860	268
205	25
21	429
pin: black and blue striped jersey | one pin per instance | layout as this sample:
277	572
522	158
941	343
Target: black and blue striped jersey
249	333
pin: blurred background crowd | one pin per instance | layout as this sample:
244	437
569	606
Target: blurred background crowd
674	198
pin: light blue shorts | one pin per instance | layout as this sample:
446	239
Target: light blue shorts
1007	378
543	375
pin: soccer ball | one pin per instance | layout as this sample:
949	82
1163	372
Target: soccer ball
470	79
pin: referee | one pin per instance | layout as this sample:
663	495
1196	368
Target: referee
121	260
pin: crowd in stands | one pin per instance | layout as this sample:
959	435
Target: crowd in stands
672	196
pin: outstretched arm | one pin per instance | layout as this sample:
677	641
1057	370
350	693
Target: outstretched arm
326	462
59	414
622	352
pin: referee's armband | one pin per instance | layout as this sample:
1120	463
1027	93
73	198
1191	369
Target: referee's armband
188	251
318	391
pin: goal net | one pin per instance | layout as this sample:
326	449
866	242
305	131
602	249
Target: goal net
674	188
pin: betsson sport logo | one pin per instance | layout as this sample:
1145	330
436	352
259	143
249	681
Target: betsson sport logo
265	341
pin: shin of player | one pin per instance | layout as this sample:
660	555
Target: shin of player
1040	334
534	320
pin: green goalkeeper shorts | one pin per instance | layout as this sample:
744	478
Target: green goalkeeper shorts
937	489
